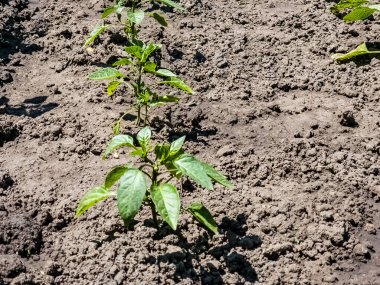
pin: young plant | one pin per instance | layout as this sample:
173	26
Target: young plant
358	9
159	164
361	50
130	14
139	68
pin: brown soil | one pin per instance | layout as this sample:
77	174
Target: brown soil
298	134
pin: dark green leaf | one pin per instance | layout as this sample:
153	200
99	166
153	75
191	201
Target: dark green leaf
112	86
188	165
122	62
166	199
358	14
216	175
162	151
176	146
135	51
165	73
159	18
143	137
131	193
172	4
114	175
178	83
108	11
148	50
95	195
117	142
105	73
136	17
202	215
95	33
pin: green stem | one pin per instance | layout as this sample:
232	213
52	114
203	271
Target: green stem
154	184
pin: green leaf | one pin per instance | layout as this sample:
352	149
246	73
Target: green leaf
359	51
117	142
178	83
162	151
114	175
112	86
148	50
150	67
94	196
176	146
136	17
217	176
161	100
131	193
165	73
347	4
376	7
108	11
122	62
116	128
172	4
143	137
159	18
202	215
188	165
95	33
136	51
138	152
166	199
105	73
359	13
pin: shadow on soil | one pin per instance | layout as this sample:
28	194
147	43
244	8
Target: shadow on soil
33	107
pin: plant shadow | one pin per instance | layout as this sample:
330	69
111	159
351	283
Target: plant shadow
223	258
33	107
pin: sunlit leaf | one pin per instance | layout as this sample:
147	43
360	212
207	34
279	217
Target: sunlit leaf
359	51
176	145
178	83
94	196
161	100
112	86
216	175
359	13
122	62
108	11
136	17
105	73
135	50
143	137
117	142
114	175
165	73
95	33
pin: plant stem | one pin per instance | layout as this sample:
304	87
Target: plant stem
154	214
154	184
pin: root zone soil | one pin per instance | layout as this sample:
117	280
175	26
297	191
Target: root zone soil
298	134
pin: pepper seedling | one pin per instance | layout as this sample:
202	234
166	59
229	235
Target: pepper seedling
358	9
159	164
361	50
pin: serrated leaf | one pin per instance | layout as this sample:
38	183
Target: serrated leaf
203	215
112	86
188	165
159	18
117	142
172	4
143	137
136	17
148	50
165	73
166	199
95	33
122	62
359	51
359	13
176	145
150	67
131	193
136	51
178	83
108	11
347	4
92	197
216	175
105	73
161	100
114	175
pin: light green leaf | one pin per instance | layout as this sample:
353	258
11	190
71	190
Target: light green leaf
122	62
360	50
114	175
178	83
143	137
165	73
112	86
94	196
347	4
150	67
108	11
117	142
135	51
359	13
188	165
172	4
131	193
116	128
202	215
95	33
105	73
216	175
161	151
166	199
376	7
159	18
136	17
161	100
148	50
138	152
176	146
